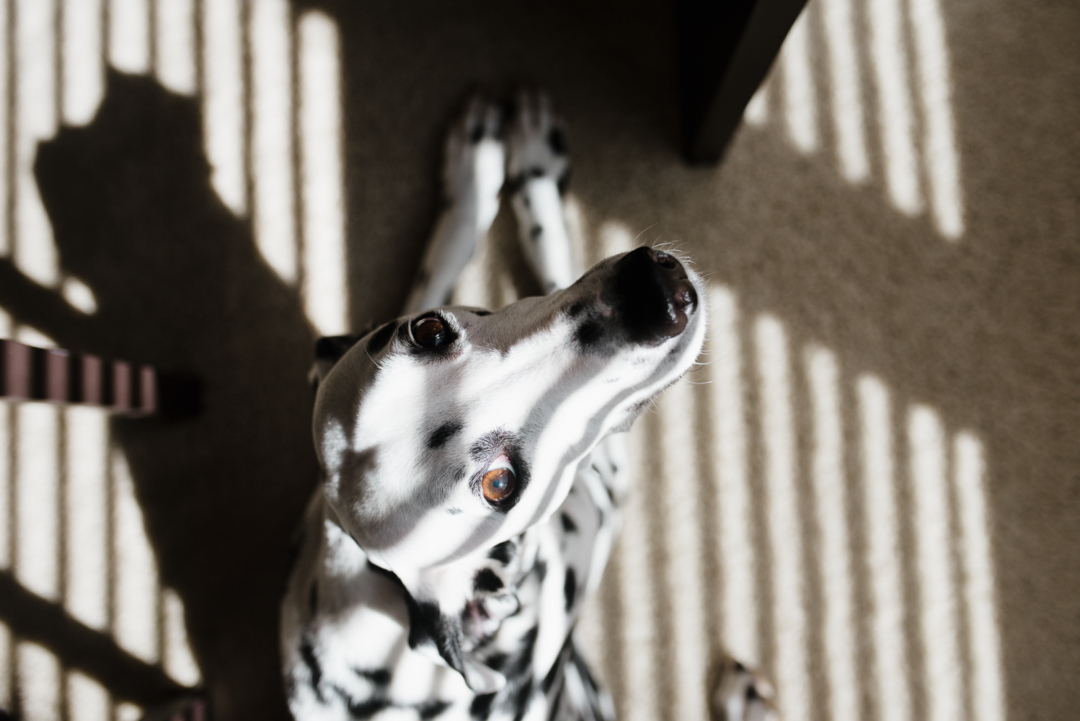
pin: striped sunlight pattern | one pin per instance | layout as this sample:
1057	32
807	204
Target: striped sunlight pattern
906	87
86	548
775	490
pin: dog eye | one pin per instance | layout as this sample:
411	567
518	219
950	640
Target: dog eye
499	481
431	332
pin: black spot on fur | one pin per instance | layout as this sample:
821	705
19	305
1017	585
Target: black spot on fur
570	588
536	172
488	581
568	523
752	693
512	186
364	709
563	182
443	433
540	569
556	668
502	552
313	597
427	624
536	231
431	709
377	676
476	134
307	655
521	699
556	703
481	313
739	667
557	141
481	706
576	309
497	661
589	334
381	337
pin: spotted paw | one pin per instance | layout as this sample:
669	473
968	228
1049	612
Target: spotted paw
473	172
741	694
537	142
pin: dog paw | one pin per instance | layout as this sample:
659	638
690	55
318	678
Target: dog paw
537	142
741	694
473	172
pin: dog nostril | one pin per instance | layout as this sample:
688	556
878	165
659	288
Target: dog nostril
684	296
665	260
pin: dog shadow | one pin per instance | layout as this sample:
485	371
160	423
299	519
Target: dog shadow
179	284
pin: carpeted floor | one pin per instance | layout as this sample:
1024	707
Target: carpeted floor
897	339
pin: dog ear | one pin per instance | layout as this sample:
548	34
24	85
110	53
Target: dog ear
453	614
328	351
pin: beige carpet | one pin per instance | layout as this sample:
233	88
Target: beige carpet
897	342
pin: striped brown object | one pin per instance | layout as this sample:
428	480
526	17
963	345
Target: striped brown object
55	375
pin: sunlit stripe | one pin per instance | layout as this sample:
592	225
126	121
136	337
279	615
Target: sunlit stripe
615	238
5	119
322	174
129	35
757	110
223	101
500	284
987	684
87	700
174	45
589	632
37	499
639	620
83	61
889	62
135	590
38	682
784	521
890	672
32	336
35	120
846	90
272	134
800	103
583	251
78	295
86	572
933	549
834	555
128	712
473	288
939	139
733	511
684	571
176	656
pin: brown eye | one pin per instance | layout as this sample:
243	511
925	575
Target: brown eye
430	332
498	484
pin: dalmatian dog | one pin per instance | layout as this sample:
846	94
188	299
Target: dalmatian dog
471	461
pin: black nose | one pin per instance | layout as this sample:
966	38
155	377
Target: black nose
652	295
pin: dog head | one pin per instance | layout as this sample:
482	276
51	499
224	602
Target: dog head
445	434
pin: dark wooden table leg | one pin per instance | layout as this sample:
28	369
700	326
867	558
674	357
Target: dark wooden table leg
726	47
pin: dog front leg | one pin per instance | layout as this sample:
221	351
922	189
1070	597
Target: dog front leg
538	171
473	174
